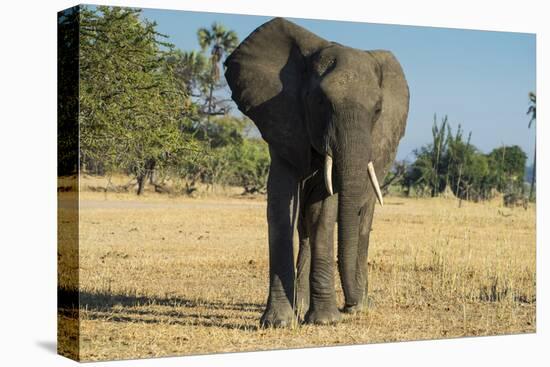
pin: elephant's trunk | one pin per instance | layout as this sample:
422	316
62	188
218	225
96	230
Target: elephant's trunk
348	236
352	178
353	182
350	147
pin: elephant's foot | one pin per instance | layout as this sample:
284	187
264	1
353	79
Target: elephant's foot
360	307
323	316
352	309
279	316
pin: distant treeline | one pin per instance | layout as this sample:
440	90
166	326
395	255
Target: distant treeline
150	110
452	164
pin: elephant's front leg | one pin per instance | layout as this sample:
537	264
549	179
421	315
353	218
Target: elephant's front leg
302	270
362	263
320	220
282	189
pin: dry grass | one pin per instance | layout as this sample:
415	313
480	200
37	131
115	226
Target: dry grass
165	276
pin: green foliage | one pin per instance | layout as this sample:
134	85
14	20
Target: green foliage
428	171
131	108
145	106
67	89
461	164
191	71
221	42
230	157
224	130
468	177
507	167
450	162
250	165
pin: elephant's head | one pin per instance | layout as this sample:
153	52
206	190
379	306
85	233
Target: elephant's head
308	97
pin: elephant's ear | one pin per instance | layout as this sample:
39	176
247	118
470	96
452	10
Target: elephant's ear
265	74
390	127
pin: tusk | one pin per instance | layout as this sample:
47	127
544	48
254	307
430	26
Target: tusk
374	181
328	174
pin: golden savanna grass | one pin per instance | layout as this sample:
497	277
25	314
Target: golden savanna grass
176	276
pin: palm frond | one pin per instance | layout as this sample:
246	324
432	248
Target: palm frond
205	38
532	110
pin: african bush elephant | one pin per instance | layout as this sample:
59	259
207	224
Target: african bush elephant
332	116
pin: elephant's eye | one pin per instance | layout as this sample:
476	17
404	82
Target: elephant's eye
377	110
325	66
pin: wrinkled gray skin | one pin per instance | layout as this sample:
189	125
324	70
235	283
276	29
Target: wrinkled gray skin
311	98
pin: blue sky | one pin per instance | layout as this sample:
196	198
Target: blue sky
479	79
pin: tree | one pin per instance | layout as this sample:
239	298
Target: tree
396	176
67	91
458	156
428	170
131	108
451	161
250	165
221	42
223	131
467	168
191	70
472	183
507	168
228	156
532	110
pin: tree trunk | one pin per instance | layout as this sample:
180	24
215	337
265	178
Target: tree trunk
151	171
141	183
209	111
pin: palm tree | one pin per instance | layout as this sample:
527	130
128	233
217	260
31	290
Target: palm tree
532	110
221	42
189	68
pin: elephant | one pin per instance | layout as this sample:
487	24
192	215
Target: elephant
332	117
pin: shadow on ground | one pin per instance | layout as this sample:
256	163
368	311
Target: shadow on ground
126	308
